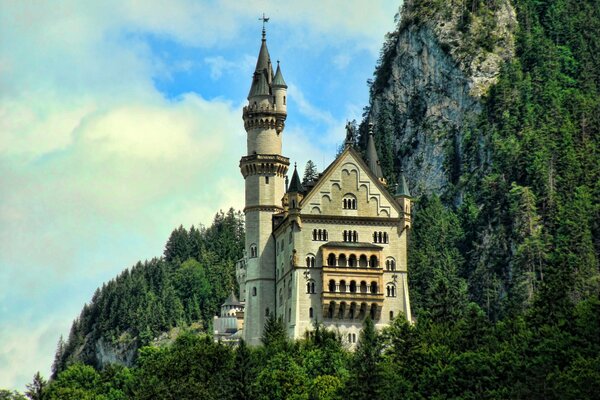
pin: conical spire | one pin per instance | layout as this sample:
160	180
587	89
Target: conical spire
263	72
372	158
295	184
402	188
278	79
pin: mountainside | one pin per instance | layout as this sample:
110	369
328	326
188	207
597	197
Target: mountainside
494	107
185	288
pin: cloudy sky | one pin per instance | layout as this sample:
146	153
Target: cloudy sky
120	120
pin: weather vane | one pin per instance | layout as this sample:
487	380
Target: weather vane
264	20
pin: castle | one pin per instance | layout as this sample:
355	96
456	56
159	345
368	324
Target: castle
333	250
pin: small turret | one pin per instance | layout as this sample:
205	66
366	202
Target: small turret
373	158
403	198
279	91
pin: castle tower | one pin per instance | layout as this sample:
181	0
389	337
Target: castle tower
264	170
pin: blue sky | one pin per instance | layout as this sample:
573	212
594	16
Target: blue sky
120	120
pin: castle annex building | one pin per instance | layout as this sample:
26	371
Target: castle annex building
333	251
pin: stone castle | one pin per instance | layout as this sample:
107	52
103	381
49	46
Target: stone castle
332	251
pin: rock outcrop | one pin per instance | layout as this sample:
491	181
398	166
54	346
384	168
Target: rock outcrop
434	72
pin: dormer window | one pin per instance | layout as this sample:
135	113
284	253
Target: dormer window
349	202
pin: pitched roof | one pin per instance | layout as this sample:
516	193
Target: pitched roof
353	245
278	79
402	188
295	184
328	171
372	158
231	300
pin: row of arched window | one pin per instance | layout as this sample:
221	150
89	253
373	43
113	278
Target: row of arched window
352	311
352	261
351	287
380	237
320	234
350	236
349	203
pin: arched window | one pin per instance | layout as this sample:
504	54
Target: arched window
349	202
391	315
355	237
342	260
385	237
331	285
310	261
331	309
352	310
319	234
374	287
284	100
374	237
267	312
314	234
362	261
253	251
373	311
310	312
390	290
331	260
310	287
349	338
352	286
390	264
254	291
379	237
354	338
363	287
373	262
352	260
343	286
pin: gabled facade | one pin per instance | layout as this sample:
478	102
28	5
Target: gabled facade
334	252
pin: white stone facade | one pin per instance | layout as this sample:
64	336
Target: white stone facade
332	254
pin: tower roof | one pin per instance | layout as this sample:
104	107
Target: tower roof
263	73
402	188
295	184
260	86
372	158
231	300
278	79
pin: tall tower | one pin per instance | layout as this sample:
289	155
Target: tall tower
264	170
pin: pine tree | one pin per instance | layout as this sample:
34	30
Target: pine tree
310	172
364	379
35	389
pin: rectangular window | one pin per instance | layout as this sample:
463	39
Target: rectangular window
267	180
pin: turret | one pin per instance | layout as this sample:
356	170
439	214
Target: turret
403	198
279	91
373	158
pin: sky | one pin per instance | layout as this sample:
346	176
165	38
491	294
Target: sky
121	120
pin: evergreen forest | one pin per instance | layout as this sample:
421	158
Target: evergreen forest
503	265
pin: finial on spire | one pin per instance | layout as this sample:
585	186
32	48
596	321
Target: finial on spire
264	20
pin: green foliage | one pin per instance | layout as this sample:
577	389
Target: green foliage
310	172
35	390
187	286
11	395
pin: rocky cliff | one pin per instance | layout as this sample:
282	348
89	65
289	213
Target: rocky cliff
434	71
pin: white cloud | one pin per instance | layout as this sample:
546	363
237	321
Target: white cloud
97	166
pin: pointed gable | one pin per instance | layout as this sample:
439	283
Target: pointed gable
349	178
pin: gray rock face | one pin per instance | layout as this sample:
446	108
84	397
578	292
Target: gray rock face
441	68
107	353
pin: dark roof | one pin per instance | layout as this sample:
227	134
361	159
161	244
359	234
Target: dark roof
372	158
278	79
353	245
263	72
232	300
295	184
260	86
402	188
